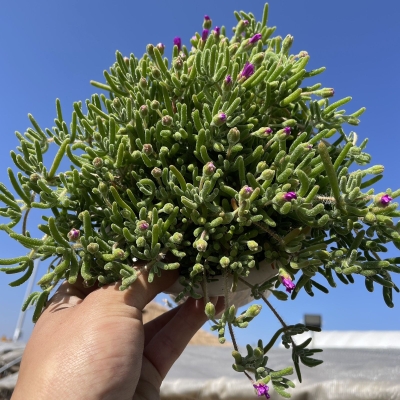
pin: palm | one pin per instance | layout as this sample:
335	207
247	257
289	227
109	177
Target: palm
93	344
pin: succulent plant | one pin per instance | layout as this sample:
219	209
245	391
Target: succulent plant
208	162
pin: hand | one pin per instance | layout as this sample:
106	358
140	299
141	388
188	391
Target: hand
91	344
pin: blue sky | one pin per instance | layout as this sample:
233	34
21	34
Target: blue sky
53	49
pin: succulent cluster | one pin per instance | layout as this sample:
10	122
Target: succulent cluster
209	162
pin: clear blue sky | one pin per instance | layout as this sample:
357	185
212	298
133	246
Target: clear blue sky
52	49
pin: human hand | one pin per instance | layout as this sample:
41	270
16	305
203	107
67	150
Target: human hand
91	344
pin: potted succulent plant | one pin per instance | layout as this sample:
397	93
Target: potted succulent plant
220	162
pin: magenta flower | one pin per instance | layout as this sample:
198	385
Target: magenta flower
217	30
287	130
204	35
246	192
288	283
255	38
262	389
268	131
73	234
386	199
209	168
143	225
207	18
219	119
246	22
228	79
178	42
248	70
290	196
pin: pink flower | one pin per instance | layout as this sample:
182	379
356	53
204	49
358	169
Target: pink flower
290	195
178	42
73	234
288	283
248	70
255	38
386	199
262	389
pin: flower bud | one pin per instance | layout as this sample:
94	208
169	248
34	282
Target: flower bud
142	225
207	22
241	26
257	59
161	48
154	105
253	311
233	136
166	120
224	261
147	149
156	74
156	172
73	235
103	188
140	241
261	166
210	310
97	162
327	92
119	254
217	31
143	110
178	63
126	59
176	238
143	83
150	50
263	132
219	119
209	169
370	217
92	248
168	208
252	245
227	83
246	192
34	177
117	103
178	42
201	245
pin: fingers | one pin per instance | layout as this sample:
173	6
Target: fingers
137	296
152	327
168	344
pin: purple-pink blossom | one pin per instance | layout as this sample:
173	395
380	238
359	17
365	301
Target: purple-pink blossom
287	130
288	283
386	199
73	234
268	130
209	168
207	18
178	42
246	22
248	70
262	389
204	35
143	225
290	196
217	30
228	79
255	38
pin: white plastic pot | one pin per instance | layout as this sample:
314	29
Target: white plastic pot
242	295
